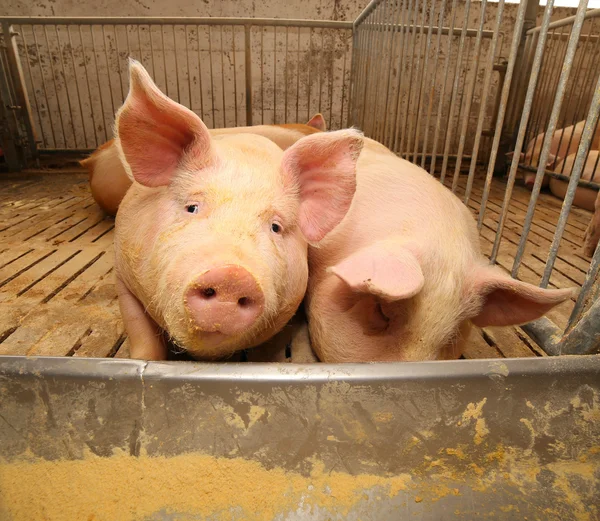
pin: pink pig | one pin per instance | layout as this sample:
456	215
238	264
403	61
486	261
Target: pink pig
402	276
584	197
211	239
565	141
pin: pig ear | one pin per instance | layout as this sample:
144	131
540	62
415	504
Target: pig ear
323	166
156	134
506	301
552	159
318	122
386	270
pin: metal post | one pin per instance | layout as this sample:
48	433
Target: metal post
9	131
248	56
18	81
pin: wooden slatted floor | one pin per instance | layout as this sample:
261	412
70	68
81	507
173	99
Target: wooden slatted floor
57	293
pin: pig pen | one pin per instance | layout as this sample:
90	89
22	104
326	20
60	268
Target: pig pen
511	432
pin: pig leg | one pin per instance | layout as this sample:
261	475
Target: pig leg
146	341
592	234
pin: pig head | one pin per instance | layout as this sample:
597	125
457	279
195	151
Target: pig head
402	277
211	239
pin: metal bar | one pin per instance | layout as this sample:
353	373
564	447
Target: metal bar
177	63
377	74
432	84
502	110
99	89
397	107
584	145
212	77
275	75
110	87
422	79
285	72
200	76
62	62
369	36
470	92
586	289
223	79
331	79
454	93
14	63
298	78
443	93
37	52
564	76
152	53
344	93
409	78
189	68
483	102
119	71
321	69
366	12
37	105
550	173
569	20
357	73
262	76
62	124
309	66
234	76
174	20
248	64
87	79
164	57
9	129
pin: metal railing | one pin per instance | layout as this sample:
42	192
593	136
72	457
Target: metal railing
230	71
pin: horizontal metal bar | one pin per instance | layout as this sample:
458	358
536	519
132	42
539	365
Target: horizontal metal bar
366	12
562	177
168	20
457	31
569	20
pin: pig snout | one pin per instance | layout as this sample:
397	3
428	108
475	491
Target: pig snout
226	300
529	180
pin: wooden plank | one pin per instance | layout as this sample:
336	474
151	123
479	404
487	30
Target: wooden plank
506	340
477	347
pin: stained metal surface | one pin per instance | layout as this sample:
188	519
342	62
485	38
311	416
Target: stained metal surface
471	439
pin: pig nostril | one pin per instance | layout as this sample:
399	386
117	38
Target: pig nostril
244	301
209	292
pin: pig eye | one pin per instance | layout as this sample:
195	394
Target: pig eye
192	208
276	227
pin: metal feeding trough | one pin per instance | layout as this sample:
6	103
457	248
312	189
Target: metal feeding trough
91	439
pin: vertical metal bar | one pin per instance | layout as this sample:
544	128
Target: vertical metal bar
98	78
120	72
14	62
298	79
584	146
285	72
433	81
37	52
235	104
332	77
55	86
503	100
110	87
344	91
380	33
436	134
560	93
248	58
392	50
223	79
175	52
454	92
62	62
586	289
212	77
406	8
469	103
358	60
370	23
262	75
164	56
29	72
310	53
200	74
152	53
521	76
189	68
483	101
422	79
321	68
387	73
275	75
89	89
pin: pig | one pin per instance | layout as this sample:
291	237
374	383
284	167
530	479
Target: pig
402	277
584	197
592	233
211	238
564	142
109	181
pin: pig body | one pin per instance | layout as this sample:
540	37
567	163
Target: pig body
211	238
592	233
564	142
584	197
402	276
109	180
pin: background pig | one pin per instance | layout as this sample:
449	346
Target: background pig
564	142
109	181
592	233
584	197
210	239
402	276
